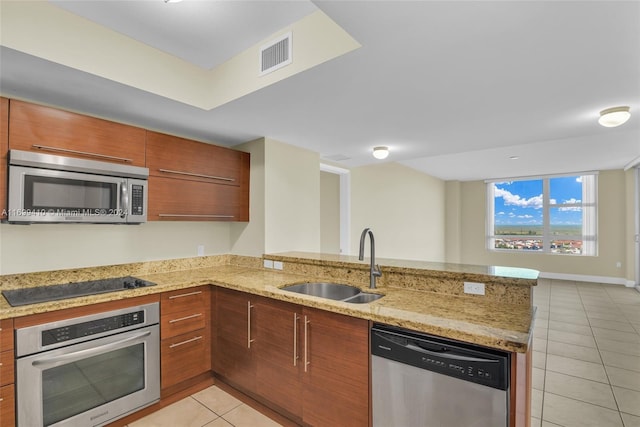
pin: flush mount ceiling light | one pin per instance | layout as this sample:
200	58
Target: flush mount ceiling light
172	1
380	152
612	117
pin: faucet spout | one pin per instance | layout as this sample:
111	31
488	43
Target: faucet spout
374	270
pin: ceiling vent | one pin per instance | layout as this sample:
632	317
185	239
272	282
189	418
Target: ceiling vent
275	54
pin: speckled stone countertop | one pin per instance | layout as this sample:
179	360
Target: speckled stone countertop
489	321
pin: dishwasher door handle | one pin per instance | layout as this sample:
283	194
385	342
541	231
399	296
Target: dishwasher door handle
448	355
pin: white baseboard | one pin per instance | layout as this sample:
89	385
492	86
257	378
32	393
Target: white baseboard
585	278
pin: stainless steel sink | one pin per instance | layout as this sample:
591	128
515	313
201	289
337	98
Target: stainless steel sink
363	298
334	291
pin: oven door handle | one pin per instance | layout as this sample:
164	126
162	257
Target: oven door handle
82	354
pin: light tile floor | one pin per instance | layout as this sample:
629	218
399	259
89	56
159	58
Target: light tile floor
586	355
211	407
586	366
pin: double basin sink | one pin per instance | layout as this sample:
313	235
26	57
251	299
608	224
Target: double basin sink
333	291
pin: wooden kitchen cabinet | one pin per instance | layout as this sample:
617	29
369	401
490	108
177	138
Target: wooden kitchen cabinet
7	375
336	378
7	406
185	331
232	353
278	355
182	200
309	365
4	147
194	181
49	130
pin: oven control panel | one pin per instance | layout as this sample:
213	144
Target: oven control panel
86	329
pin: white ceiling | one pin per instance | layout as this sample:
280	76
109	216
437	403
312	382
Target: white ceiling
454	88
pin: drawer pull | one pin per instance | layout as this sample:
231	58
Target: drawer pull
83	153
193	316
185	295
164	215
178	344
199	175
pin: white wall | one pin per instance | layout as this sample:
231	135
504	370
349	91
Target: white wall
404	208
329	213
292	198
41	247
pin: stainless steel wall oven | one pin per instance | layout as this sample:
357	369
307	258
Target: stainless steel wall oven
90	370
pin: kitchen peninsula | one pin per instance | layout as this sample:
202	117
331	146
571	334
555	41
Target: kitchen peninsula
420	296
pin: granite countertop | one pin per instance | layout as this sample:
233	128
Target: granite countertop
489	323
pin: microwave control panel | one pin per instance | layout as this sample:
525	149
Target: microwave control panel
137	199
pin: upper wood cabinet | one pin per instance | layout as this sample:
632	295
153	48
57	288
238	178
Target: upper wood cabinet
4	146
37	128
173	157
194	181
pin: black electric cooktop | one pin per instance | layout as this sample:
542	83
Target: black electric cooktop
24	296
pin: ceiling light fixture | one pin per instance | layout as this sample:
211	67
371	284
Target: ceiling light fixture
380	152
612	117
172	1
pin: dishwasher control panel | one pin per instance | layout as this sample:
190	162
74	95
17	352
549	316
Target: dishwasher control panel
460	360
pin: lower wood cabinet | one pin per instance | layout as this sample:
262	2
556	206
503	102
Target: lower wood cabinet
7	406
185	330
310	365
7	375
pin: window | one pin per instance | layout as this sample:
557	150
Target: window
555	215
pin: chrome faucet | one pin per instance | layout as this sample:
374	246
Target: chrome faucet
375	269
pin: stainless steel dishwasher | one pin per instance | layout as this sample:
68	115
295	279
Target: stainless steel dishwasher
420	380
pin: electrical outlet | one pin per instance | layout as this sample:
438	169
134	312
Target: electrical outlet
200	250
277	265
618	264
268	263
474	288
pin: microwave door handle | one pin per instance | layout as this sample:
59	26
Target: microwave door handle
83	354
124	197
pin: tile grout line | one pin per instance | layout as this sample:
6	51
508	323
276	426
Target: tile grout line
615	399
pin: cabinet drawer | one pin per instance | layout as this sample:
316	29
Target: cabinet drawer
7	406
195	300
179	323
174	157
180	200
48	130
6	335
185	356
6	368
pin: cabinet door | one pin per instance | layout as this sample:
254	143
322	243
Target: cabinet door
277	352
194	181
173	157
235	330
7	406
4	147
180	200
185	356
52	131
336	364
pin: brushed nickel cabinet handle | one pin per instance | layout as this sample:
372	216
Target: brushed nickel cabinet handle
306	344
178	344
295	339
185	295
169	215
193	316
199	175
249	340
83	153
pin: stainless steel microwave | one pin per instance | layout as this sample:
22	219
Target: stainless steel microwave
45	188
